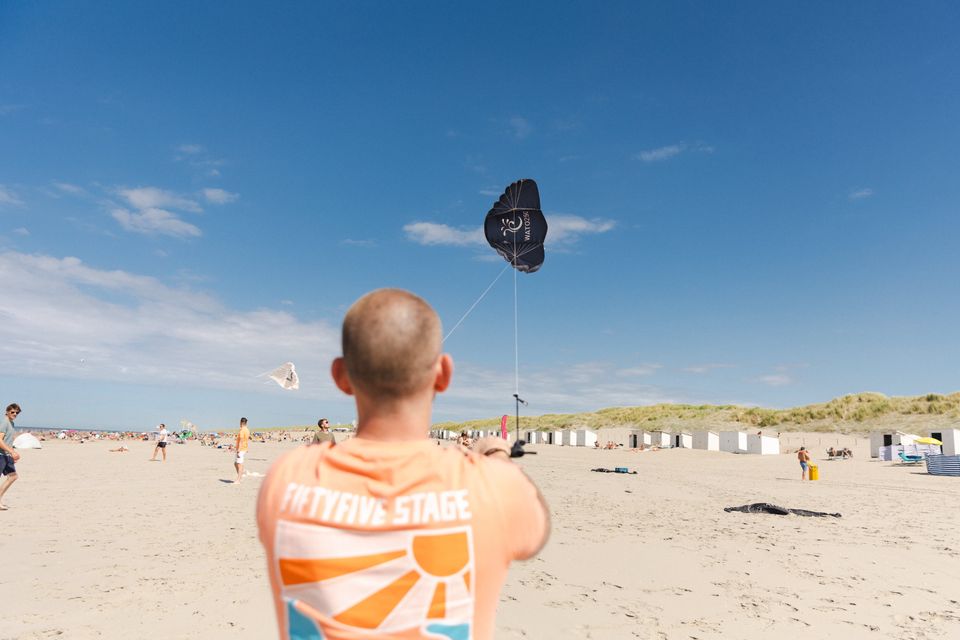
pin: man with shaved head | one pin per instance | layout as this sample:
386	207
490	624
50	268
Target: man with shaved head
387	535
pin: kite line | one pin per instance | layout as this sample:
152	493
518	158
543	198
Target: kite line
474	305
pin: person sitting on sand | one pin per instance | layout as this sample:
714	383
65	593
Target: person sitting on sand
120	449
416	538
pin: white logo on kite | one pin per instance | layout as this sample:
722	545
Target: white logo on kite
522	223
508	226
286	376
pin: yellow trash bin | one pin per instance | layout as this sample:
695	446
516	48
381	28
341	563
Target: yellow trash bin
814	472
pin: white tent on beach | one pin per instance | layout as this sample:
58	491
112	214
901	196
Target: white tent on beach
26	441
706	440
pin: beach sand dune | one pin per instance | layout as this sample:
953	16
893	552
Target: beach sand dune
109	545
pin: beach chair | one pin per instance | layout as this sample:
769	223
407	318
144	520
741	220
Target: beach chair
907	459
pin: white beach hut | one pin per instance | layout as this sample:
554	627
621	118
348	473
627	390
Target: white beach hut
660	439
733	441
950	439
706	440
554	437
584	438
763	445
889	438
683	440
569	438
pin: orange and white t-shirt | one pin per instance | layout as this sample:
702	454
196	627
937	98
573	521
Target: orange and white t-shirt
393	539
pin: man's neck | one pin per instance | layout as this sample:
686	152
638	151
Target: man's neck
398	421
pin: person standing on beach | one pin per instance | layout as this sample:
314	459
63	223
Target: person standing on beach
804	457
8	455
161	443
323	432
243	443
387	535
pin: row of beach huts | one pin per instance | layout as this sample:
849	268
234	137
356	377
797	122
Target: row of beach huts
729	441
886	444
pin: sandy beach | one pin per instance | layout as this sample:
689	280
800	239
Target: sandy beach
109	545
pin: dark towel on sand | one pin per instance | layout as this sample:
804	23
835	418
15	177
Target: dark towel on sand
602	470
765	507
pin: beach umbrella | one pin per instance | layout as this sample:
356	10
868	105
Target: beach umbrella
927	441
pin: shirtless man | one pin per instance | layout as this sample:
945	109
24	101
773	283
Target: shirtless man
387	535
804	457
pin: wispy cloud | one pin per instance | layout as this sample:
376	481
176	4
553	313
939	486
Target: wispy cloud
153	197
672	150
660	153
432	233
775	379
647	369
21	231
573	387
520	127
219	196
133	328
8	197
155	221
7	109
491	192
352	242
860	194
563	230
197	157
475	164
706	368
567	229
70	189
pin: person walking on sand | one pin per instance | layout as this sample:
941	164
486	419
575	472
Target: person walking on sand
804	457
323	432
8	455
418	537
161	443
243	443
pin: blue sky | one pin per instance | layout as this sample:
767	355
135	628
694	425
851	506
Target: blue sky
751	203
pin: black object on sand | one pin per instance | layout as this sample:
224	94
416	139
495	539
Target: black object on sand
516	451
766	507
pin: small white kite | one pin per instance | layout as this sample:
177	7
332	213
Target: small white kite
286	376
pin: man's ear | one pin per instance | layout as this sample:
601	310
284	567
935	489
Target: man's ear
444	373
339	372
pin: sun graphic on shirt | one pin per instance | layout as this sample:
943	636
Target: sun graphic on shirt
389	581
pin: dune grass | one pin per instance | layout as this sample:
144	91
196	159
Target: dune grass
855	412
